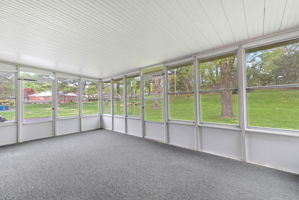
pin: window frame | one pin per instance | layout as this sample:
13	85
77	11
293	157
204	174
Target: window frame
135	97
78	98
271	130
82	92
152	72
122	99
109	98
52	102
12	70
199	91
193	92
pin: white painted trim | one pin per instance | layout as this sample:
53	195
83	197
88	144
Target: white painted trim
112	103
41	122
54	104
125	102
80	101
290	133
142	105
8	124
88	116
220	126
66	118
19	106
242	78
165	104
197	110
188	123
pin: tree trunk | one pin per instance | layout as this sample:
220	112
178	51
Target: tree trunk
226	104
226	73
156	84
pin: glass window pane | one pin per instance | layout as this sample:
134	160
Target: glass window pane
36	112
133	96
106	90
118	97
38	75
106	106
153	98
7	97
274	66
7	110
180	92
7	85
213	109
90	98
134	106
273	108
180	79
37	101
68	101
181	106
118	106
270	106
218	73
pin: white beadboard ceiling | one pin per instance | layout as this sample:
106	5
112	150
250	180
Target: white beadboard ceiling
100	38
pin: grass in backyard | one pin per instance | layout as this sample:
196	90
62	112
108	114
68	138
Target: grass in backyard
68	110
274	108
90	108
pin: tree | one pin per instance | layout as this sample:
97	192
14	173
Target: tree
227	76
156	89
220	74
7	85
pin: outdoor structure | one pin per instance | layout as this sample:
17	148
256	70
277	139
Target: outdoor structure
67	98
43	96
187	79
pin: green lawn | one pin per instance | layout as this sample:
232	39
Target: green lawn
45	111
274	108
118	107
134	107
266	108
211	109
90	108
181	107
68	110
107	106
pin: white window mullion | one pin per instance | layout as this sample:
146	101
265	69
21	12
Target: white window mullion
80	101
165	106
142	105
125	103
19	105
197	111
242	99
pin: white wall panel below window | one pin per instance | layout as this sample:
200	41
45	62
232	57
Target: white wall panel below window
119	124
8	135
155	131
91	123
223	142
134	127
107	122
67	126
276	151
182	135
37	131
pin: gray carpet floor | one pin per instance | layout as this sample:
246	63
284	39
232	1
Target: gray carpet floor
106	165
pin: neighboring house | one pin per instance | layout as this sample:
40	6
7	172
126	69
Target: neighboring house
47	96
43	96
67	98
